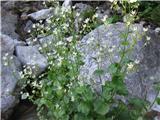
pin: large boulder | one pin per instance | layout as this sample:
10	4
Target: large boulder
41	14
101	48
10	68
30	56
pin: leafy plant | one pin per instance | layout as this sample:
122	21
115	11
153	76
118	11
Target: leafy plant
63	95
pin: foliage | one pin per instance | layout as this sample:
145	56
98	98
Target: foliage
150	11
62	95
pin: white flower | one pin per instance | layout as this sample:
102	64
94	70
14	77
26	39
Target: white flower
69	39
11	58
133	12
29	31
33	26
136	61
24	96
4	58
111	0
134	28
48	21
130	66
128	23
40	21
104	18
59	87
6	54
72	98
148	38
145	29
95	15
74	7
35	39
132	1
59	43
86	20
57	106
157	30
6	64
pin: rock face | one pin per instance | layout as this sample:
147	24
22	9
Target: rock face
30	56
8	23
9	76
100	48
42	14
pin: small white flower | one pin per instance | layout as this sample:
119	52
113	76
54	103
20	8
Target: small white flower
133	12
40	21
57	106
6	54
74	7
134	28
4	58
29	31
148	38
6	64
132	1
130	66
24	96
72	98
128	23
33	26
11	58
77	14
104	18
59	87
35	39
86	20
145	29
137	61
157	30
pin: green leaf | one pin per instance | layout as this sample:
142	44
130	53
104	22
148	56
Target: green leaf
125	43
137	103
99	72
158	101
113	68
88	94
83	108
101	107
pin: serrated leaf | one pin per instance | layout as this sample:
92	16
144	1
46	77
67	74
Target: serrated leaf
112	68
101	107
83	108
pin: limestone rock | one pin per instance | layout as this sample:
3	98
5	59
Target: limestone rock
108	37
30	56
8	23
42	14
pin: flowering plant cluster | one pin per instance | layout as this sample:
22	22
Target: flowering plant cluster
61	94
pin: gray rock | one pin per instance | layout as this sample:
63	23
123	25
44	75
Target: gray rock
9	75
28	26
42	14
80	7
67	3
8	44
30	56
9	5
139	81
8	23
101	14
